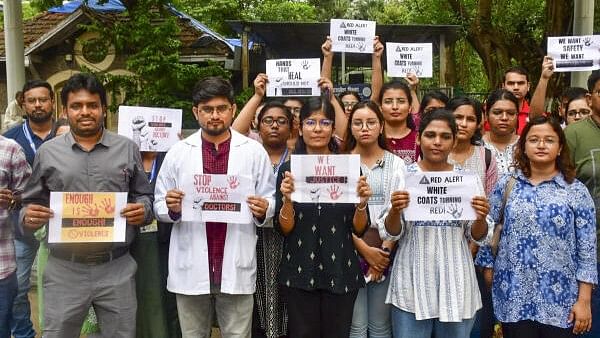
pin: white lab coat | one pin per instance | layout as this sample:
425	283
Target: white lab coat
188	253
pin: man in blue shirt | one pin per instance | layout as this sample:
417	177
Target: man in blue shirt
38	104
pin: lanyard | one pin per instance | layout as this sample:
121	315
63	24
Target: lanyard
281	160
153	171
29	138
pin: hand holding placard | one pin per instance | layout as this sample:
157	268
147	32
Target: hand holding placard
481	206
287	185
173	200
363	190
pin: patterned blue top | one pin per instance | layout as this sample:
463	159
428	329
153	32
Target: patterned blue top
547	245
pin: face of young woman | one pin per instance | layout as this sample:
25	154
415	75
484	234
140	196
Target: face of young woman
348	102
577	110
436	142
433	105
542	145
466	120
365	126
317	131
503	117
395	106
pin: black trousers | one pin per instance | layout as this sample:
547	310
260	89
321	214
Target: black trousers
532	329
314	314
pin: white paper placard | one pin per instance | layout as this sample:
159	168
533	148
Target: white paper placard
575	53
352	36
152	129
325	178
217	198
86	217
293	77
440	195
404	58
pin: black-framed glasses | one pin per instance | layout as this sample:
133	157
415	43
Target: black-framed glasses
34	100
311	124
221	109
369	124
581	112
349	104
268	121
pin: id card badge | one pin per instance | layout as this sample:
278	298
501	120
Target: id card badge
152	227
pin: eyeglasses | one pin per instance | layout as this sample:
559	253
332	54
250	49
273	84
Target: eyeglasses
369	124
208	110
581	112
311	124
348	105
391	101
33	100
536	141
268	121
499	112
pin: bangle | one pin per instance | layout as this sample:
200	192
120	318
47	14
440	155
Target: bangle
361	209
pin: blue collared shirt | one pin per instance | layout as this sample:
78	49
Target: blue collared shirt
547	246
18	134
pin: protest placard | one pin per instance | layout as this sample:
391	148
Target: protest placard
85	217
441	196
293	77
352	36
152	129
575	53
325	178
217	198
404	58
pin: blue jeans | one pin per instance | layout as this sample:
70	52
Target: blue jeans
371	314
8	291
405	325
21	324
595	332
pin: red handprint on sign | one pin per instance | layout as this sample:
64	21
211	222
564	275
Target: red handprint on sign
107	206
91	210
233	182
334	192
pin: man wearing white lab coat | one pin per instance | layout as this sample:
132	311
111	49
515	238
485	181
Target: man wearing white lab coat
213	264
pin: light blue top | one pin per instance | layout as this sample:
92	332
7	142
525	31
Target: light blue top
547	245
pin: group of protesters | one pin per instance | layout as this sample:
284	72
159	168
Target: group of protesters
527	264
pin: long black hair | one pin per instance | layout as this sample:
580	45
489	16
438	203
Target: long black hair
402	85
317	105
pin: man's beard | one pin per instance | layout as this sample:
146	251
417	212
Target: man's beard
213	131
39	116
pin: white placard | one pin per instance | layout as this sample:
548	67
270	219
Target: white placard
152	129
441	196
404	58
352	36
325	178
293	77
217	198
86	217
575	53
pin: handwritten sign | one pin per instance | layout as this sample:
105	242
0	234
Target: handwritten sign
152	129
217	198
352	36
438	196
404	58
575	53
293	77
325	178
85	217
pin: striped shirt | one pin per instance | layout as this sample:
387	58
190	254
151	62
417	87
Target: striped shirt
433	274
14	172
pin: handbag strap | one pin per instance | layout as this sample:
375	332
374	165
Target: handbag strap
509	186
